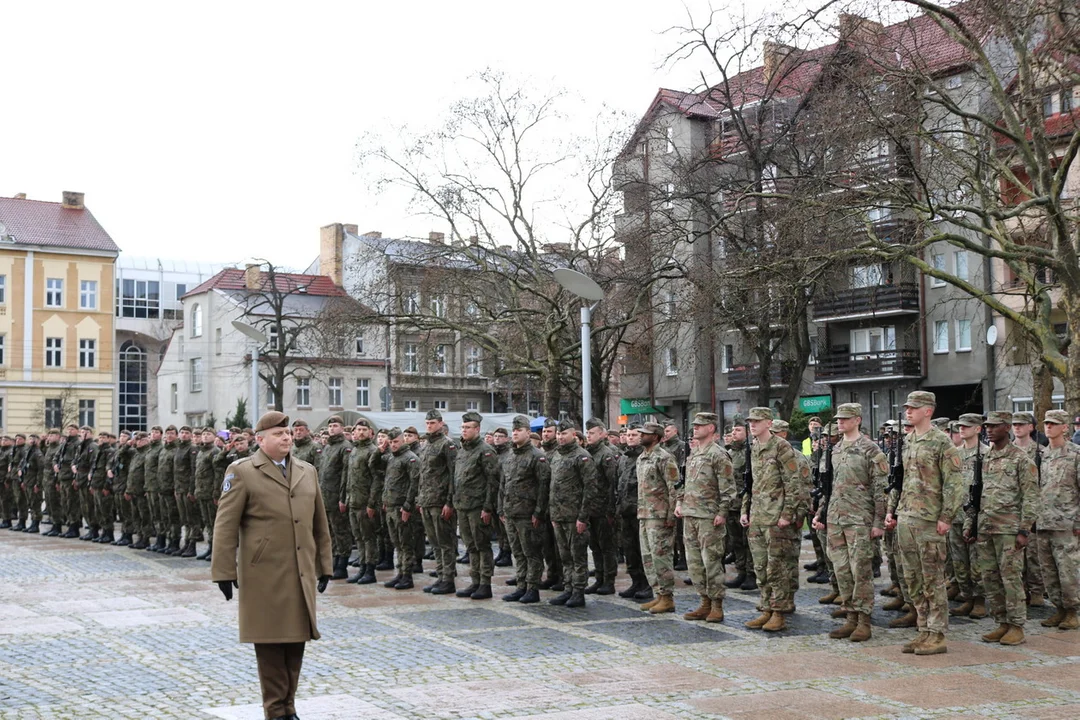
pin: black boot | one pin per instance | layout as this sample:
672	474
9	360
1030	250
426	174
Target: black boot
141	545
5	525
17	527
482	593
514	596
90	535
503	559
429	555
561	599
444	587
550	583
342	572
405	583
359	574
369	575
54	531
750	584
467	592
418	567
635	585
209	552
512	582
33	527
189	550
125	540
355	561
532	595
592	588
736	582
386	562
577	599
645	593
392	581
464	559
174	548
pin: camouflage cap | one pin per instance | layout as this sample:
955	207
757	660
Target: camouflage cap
954	426
814	418
921	398
705	418
889	424
565	425
1023	418
433	415
1056	417
970	420
761	413
669	423
652	428
779	426
832	429
941	422
394	432
520	422
999	417
738	419
633	426
593	423
471	416
908	423
849	410
272	419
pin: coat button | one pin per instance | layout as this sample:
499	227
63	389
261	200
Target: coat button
297	520
298	548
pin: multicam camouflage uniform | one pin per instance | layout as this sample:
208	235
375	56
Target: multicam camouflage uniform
707	494
657	476
1033	575
736	533
574	497
965	555
1059	522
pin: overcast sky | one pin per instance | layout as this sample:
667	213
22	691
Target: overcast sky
226	130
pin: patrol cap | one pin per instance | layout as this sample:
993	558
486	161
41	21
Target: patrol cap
940	422
814	418
272	419
394	432
520	422
433	415
779	426
705	418
908	423
761	413
334	419
1023	418
565	425
889	424
593	423
999	417
970	420
954	426
500	431
470	416
849	410
832	429
298	422
1056	417
738	419
652	428
920	399
54	431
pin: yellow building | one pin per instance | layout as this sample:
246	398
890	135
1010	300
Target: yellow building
56	316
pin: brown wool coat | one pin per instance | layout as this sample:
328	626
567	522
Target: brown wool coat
280	528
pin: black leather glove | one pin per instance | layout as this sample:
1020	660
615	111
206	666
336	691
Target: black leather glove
323	582
226	587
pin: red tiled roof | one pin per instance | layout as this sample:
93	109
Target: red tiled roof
48	224
234	279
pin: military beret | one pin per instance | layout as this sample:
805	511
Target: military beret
534	436
565	425
970	420
705	418
272	419
1056	417
54	431
500	431
156	427
140	435
433	415
761	413
298	422
814	418
364	422
595	423
334	419
185	428
779	426
1023	418
633	426
19	435
999	417
394	432
921	398
521	422
579	435
651	428
470	416
170	427
669	423
410	431
849	410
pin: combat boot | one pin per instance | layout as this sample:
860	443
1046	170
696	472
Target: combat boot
549	583
511	581
606	589
386	562
1070	622
702	611
1015	636
891	591
933	645
964	609
467	592
1054	620
592	588
978	610
159	546
750	583
760	621
359	574
897	603
17	526
811	566
504	559
561	599
5	524
126	540
33	527
514	596
737	581
577	599
828	599
996	635
208	554
72	533
1036	600
189	550
464	559
645	593
910	619
54	531
716	614
820	577
405	583
909	648
444	587
482	593
862	632
90	535
141	545
953	591
645	607
393	581
839	613
845	630
341	568
369	575
635	585
174	548
663	604
776	623
532	595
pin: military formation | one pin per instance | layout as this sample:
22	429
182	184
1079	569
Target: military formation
982	512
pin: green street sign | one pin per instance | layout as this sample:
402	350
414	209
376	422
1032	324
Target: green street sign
815	403
637	406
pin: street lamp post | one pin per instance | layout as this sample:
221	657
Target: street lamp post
259	339
585	288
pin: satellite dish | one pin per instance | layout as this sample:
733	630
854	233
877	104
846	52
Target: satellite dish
251	332
580	284
991	335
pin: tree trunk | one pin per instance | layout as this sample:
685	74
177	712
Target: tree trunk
1072	376
1042	389
552	389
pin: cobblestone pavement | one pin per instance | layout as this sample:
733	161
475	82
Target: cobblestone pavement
88	631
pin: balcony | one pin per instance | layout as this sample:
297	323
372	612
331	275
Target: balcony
844	367
748	377
873	301
628	171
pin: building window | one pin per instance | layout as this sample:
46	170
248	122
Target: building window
139	299
217	341
438	305
670	136
54	412
875	411
768	178
271	396
471	406
272	336
472	366
873	340
360	345
727	358
411	363
133	387
1048	105
963	335
54	352
3	289
86	412
879	213
88	294
671	361
412	302
1066	100
812	351
363	393
333	387
174	397
941	336
181	291
670	304
87	354
54	292
961	259
3	354
669	195
864	276
937	261
196	320
440	405
303	392
2	412
438	360
411	405
195	374
954	82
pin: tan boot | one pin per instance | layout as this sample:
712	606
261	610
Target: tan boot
759	622
1070	622
847	628
1037	601
892	591
978	610
838	600
665	604
1015	636
776	623
919	640
906	621
702	611
827	599
954	591
933	645
648	606
996	635
862	631
895	604
717	613
1055	619
964	609
839	613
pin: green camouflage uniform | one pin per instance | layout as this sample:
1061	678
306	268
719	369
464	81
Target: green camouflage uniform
437	460
7	494
141	521
120	465
307	451
526	482
601	531
169	511
476	491
736	533
83	467
358	496
34	468
50	484
184	486
152	487
332	459
574	498
69	496
657	476
100	464
626	511
1033	575
776	494
399	493
552	558
205	477
707	493
1059	519
965	555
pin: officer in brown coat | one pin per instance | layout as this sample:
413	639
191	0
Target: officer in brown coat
272	509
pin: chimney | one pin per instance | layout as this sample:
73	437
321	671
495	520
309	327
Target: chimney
774	55
376	234
72	200
20	196
351	229
858	29
436	238
332	251
251	276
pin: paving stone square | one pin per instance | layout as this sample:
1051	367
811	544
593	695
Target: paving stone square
785	667
535	643
467	618
649	632
954	689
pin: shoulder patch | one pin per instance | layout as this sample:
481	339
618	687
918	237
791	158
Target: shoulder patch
954	459
226	484
542	459
487	454
413	460
585	458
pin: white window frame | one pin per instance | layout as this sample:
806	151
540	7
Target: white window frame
88	292
3	354
942	266
87	412
411	357
669	135
3	289
54	352
333	392
273	338
439	363
271	397
941	337
217	341
174	397
54	292
441	405
669	195
472	405
960	345
768	178
472	362
872	341
59	410
196	320
195	374
87	356
960	260
412	302
727	357
866	276
303	392
671	361
363	393
410	405
359	347
438	305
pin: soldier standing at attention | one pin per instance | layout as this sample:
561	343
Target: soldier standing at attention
166	495
152	488
768	513
932	494
360	501
658	476
526	482
1023	427
476	491
626	498
744	579
601	525
675	445
136	492
501	443
204	487
333	458
573	499
1006	518
273	543
781	428
398	499
51	483
1058	535
965	554
552	558
303	447
703	503
856	516
435	499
